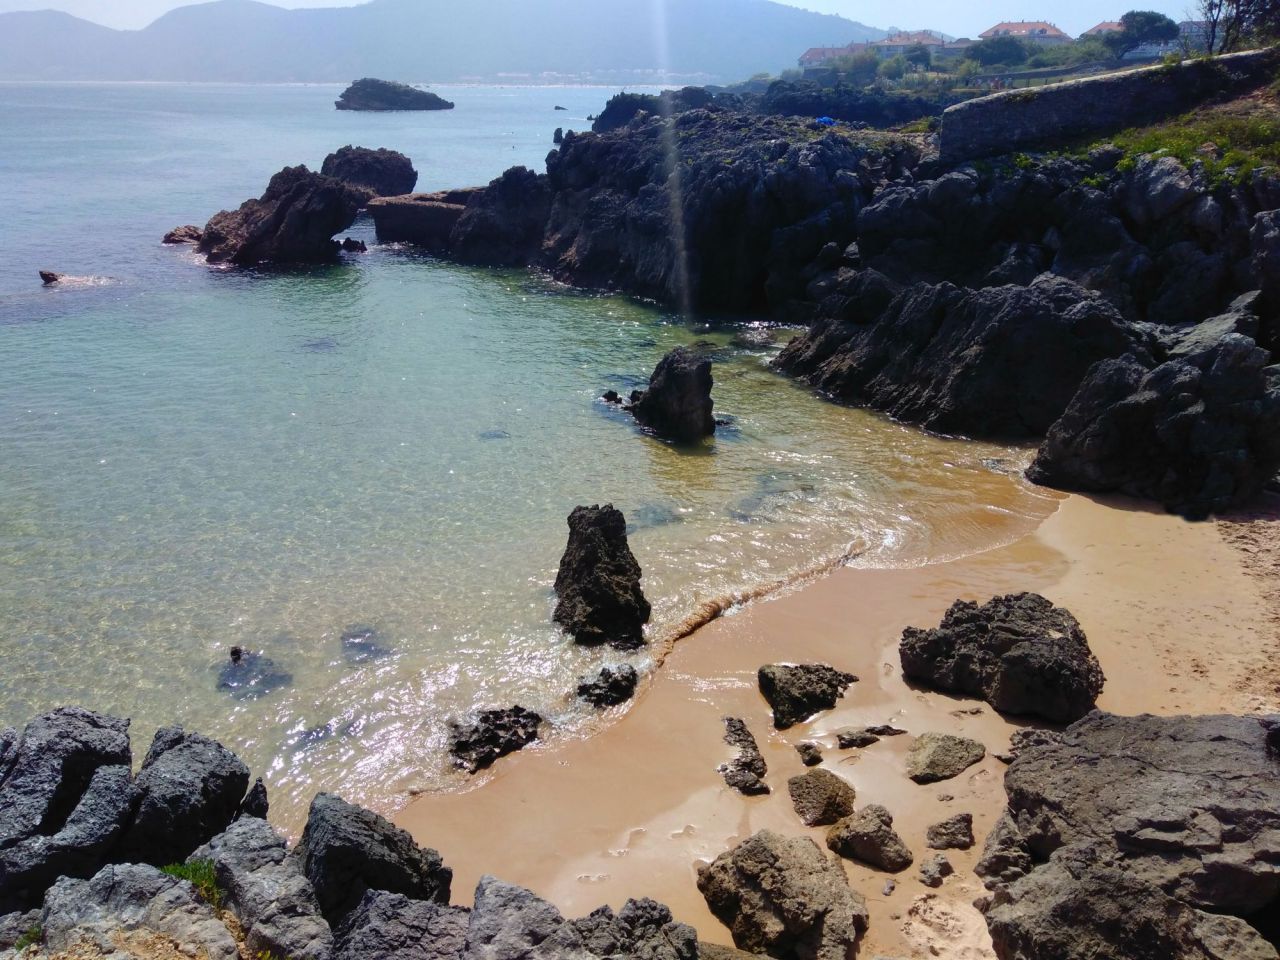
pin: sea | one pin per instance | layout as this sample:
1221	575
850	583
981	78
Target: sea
383	450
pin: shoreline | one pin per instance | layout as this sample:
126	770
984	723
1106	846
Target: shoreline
628	811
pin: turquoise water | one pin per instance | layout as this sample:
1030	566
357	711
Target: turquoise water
198	458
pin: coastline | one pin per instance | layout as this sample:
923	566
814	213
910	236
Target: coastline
629	811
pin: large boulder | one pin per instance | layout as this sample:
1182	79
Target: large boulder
1020	653
678	403
347	850
745	772
390	926
941	756
190	788
374	173
1143	837
372	94
491	735
820	797
868	836
996	362
1199	434
266	890
502	225
132	910
292	222
798	691
783	896
598	583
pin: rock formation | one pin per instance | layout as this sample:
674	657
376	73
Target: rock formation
185	234
820	797
379	95
1144	837
374	173
424	219
941	756
678	404
797	692
782	896
49	278
935	870
954	833
810	753
598	583
745	772
610	687
503	224
292	222
1020	653
491	735
868	836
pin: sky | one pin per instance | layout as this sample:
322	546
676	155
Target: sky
956	19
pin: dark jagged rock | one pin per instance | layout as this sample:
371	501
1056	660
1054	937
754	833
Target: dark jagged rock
375	173
248	674
379	95
1144	837
868	837
347	850
610	687
996	362
503	224
292	222
798	692
934	870
678	402
390	926
350	245
186	234
1020	653
425	219
622	108
48	277
810	753
558	137
598	583
745	772
1199	434
820	797
255	802
266	890
849	737
190	789
784	897
941	756
493	734
954	833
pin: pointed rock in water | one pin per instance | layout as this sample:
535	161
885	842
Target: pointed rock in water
49	277
1020	653
347	850
820	797
379	95
493	734
797	692
255	803
374	173
745	772
868	836
783	896
941	756
247	675
598	584
610	687
186	234
678	403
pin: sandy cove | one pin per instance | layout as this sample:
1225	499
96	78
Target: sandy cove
1177	622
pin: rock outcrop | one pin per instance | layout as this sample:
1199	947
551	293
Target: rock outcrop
745	772
797	692
380	95
598	583
493	734
610	687
292	222
1199	434
391	926
868	837
374	173
347	850
820	797
1144	837
677	404
1020	653
941	756
424	219
502	224
784	897
189	233
954	833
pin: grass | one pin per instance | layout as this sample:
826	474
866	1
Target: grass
33	936
201	875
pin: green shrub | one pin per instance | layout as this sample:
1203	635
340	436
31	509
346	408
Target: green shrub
201	875
33	936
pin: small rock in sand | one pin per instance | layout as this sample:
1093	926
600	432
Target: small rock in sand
941	756
820	797
868	836
810	753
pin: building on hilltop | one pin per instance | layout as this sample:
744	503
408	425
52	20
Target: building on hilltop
1102	29
937	45
1032	31
817	56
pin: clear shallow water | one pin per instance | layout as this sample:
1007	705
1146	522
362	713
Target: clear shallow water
196	458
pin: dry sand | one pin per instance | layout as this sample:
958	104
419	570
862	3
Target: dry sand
1176	623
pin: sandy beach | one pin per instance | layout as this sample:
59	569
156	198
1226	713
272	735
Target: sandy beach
1170	609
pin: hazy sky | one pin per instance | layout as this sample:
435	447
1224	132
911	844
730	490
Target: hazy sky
958	19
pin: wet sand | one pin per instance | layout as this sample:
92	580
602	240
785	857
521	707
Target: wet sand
1167	607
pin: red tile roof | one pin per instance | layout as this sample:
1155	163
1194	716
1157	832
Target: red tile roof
1107	26
1023	29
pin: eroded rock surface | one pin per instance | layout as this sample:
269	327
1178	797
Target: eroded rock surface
491	735
797	692
954	833
610	687
375	173
820	797
598	583
868	836
677	403
745	772
941	756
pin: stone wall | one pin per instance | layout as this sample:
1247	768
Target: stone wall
1017	119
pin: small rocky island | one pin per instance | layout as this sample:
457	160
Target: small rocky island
371	94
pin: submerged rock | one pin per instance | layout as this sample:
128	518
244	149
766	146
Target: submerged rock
493	734
1020	653
745	772
610	687
362	644
347	850
292	222
868	836
678	404
375	173
783	896
379	95
941	756
798	692
247	675
598	583
820	797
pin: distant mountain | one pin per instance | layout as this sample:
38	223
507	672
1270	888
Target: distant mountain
427	40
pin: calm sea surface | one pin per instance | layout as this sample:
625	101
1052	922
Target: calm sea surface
197	458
